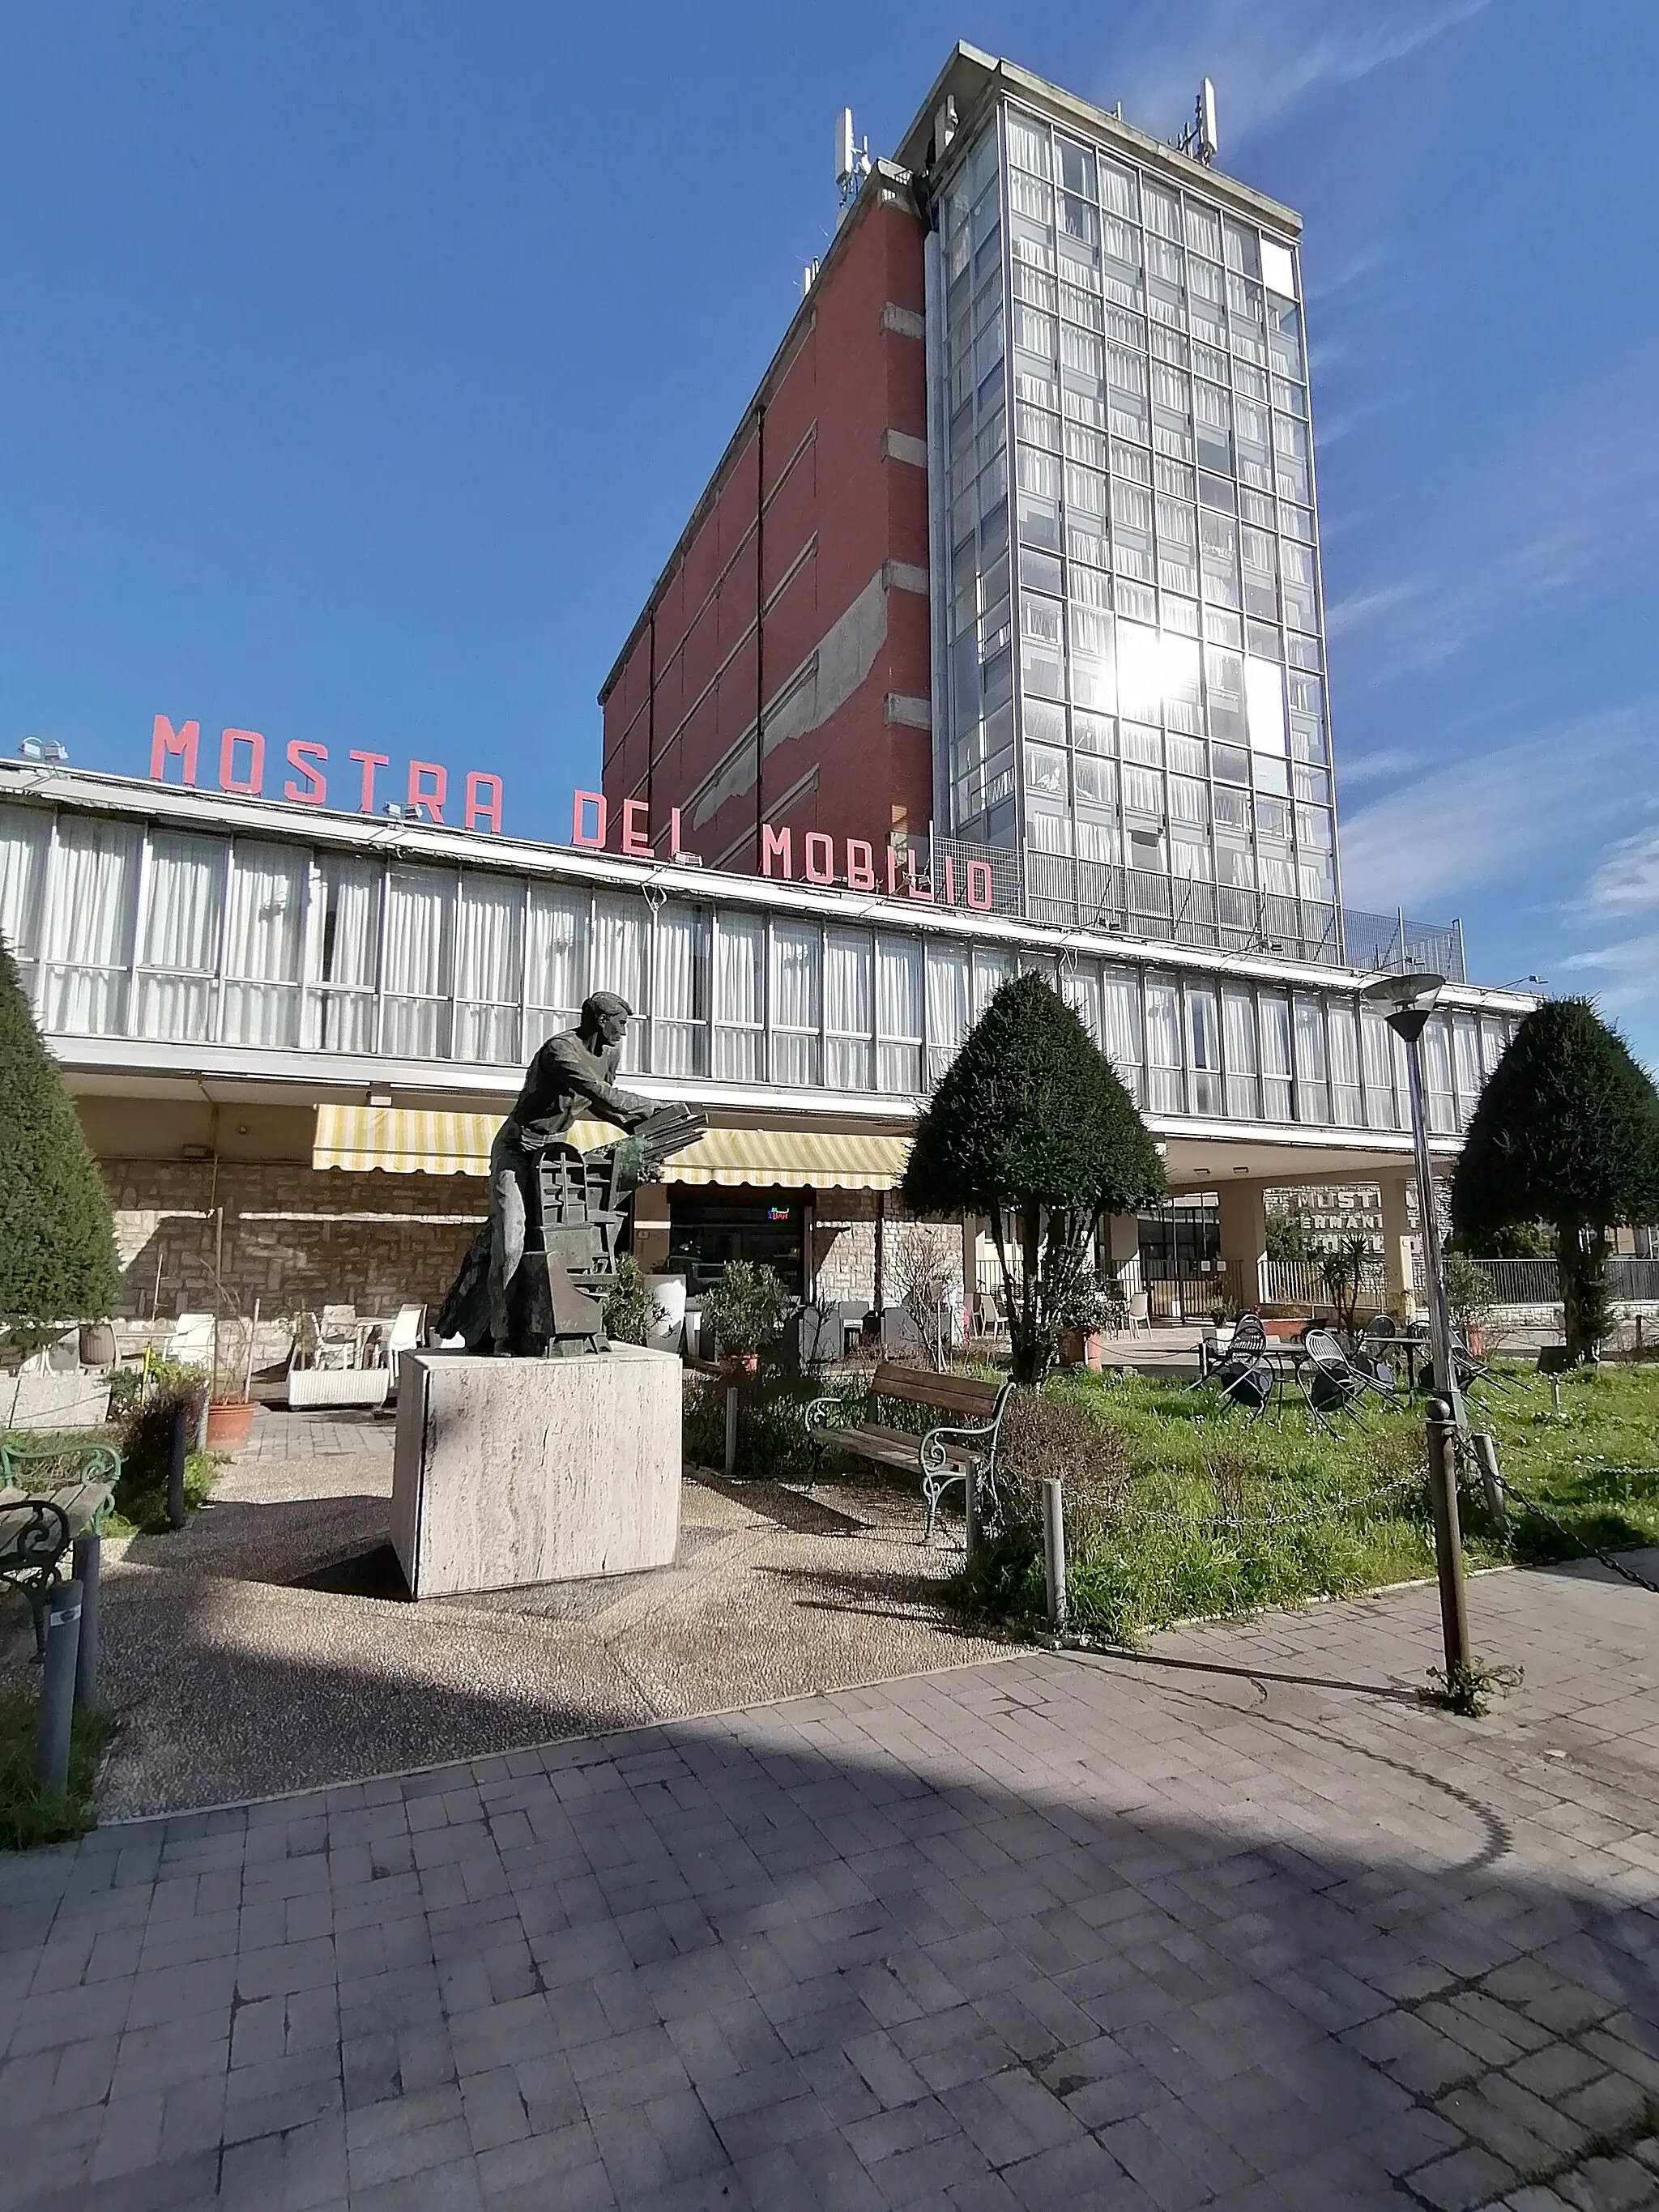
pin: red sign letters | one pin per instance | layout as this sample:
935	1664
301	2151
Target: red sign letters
242	770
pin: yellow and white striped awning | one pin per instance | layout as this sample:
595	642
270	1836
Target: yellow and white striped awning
414	1140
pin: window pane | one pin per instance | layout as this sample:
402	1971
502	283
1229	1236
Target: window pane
489	969
679	992
797	969
264	944
180	948
947	1005
740	952
90	927
417	974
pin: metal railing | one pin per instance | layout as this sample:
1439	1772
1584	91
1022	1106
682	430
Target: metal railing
1067	893
1538	1282
1389	942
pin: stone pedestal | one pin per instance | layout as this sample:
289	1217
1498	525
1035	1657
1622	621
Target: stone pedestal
509	1472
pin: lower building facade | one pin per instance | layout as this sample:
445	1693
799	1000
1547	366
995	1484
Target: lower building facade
291	1035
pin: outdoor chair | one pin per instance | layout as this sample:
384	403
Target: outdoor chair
404	1335
335	1335
1139	1312
1245	1378
1333	1385
190	1341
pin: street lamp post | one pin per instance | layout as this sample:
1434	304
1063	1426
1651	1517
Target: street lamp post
1412	997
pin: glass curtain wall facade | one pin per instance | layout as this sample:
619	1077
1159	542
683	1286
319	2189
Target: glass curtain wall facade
1135	663
124	929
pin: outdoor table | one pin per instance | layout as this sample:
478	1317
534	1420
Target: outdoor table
1414	1347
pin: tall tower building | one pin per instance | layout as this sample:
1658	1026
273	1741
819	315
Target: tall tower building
1046	400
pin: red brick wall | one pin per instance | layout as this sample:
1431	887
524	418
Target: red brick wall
842	508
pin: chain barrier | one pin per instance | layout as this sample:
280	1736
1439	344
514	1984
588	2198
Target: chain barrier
1469	1468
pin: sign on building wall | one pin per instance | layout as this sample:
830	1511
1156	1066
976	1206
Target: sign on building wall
423	796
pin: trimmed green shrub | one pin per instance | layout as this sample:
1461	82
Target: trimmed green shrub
1031	1119
1566	1131
56	1239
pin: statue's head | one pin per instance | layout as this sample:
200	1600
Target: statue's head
605	1018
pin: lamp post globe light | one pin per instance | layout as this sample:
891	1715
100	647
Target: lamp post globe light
1411	998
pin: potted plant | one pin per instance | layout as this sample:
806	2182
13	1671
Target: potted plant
1469	1298
230	1408
745	1308
1085	1314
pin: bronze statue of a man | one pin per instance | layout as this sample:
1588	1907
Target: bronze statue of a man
574	1072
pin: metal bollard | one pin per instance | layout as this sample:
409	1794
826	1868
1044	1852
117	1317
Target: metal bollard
1448	1537
731	1429
971	1510
177	1446
87	1555
1484	1446
51	1748
1053	1550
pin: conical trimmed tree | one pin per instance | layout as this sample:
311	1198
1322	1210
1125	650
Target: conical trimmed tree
56	1243
1030	1119
1567	1132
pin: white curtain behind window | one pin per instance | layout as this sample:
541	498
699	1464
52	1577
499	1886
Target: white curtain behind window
898	1014
1437	1074
619	965
992	968
88	936
263	944
1204	1048
347	894
489	969
415	978
797	977
180	948
1466	1063
847	1009
1079	983
556	961
1344	1031
679	993
1274	1016
1121	995
1312	1100
1238	1051
947	1005
25	835
739	951
1162	1049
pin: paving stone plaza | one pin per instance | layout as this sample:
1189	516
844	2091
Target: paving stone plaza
1235	1921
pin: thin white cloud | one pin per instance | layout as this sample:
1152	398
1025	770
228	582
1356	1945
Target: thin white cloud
1485	818
1379	767
1631	967
1267	55
1627	881
1365	606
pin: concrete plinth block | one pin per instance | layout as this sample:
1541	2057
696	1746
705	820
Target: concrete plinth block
512	1472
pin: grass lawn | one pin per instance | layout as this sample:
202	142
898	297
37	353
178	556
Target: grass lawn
1178	1507
29	1815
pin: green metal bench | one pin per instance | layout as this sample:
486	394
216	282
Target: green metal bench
941	1455
40	1522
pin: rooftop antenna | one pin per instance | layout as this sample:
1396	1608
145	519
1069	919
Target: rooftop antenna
1198	138
852	161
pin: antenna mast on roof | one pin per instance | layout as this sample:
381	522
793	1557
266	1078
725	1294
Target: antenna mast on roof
1198	138
852	161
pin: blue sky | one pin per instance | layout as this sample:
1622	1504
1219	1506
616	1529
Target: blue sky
362	363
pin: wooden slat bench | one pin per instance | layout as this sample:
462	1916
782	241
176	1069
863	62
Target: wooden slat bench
944	1454
38	1526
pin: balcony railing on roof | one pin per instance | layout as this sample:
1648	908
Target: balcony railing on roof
1068	893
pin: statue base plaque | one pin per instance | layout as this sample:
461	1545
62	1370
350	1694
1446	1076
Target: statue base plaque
512	1472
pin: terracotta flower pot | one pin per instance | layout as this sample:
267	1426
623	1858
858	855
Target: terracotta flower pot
1081	1348
227	1426
733	1364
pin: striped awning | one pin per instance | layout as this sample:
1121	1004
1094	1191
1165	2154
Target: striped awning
413	1140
